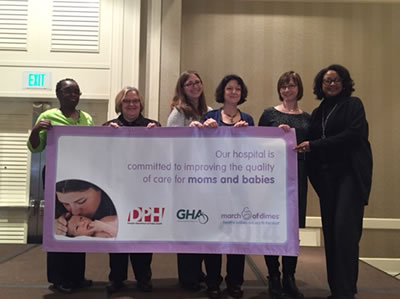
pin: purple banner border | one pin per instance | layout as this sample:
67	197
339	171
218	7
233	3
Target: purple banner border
291	247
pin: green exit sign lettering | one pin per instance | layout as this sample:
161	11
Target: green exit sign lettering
36	80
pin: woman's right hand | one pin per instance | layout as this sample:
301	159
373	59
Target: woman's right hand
211	123
43	124
60	225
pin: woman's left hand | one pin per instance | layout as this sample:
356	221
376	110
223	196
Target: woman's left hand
196	124
241	123
151	125
114	125
302	147
285	127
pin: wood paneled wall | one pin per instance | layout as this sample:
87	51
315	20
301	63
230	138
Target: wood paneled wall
259	40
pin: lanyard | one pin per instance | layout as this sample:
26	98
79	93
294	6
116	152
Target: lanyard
325	120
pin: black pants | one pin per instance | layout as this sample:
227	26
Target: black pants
65	267
342	212
141	265
234	269
288	265
189	268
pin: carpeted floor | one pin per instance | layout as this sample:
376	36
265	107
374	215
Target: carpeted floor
23	275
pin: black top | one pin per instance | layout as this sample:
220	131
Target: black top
345	146
139	122
272	117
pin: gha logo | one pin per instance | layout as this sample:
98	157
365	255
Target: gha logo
192	216
142	215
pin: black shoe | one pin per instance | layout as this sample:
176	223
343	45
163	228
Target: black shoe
194	286
62	288
214	292
115	286
235	291
145	286
85	283
202	277
275	288
290	287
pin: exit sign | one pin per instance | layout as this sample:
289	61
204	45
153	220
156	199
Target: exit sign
38	80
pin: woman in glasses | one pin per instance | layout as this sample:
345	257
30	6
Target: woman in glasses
288	115
340	170
129	105
189	101
66	270
188	104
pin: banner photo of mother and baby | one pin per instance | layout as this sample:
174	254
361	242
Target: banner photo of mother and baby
224	190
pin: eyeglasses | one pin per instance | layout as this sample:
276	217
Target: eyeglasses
330	81
69	92
191	84
290	86
131	101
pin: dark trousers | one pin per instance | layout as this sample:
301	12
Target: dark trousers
342	212
289	264
141	265
65	267
234	269
189	268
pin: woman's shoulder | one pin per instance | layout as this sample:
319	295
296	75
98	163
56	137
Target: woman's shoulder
176	118
269	110
85	118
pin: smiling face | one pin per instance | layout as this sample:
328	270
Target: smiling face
193	87
69	95
130	106
81	203
289	91
232	92
332	84
79	226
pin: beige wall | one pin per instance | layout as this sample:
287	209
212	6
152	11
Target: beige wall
259	40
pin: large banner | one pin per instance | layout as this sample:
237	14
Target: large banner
225	190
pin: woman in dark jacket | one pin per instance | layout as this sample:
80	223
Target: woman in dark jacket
340	170
129	105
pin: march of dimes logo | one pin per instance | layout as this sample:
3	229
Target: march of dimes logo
186	215
247	215
150	215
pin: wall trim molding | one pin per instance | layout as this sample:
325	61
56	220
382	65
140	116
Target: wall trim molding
389	265
369	223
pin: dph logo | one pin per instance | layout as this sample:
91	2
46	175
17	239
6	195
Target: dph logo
142	215
192	215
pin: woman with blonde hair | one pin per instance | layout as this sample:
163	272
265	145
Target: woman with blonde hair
129	104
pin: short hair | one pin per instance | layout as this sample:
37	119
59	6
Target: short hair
60	84
121	96
344	74
285	79
220	91
182	103
74	186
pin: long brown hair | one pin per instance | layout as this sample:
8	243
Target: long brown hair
182	103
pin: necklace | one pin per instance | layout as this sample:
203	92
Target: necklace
325	120
290	110
231	117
